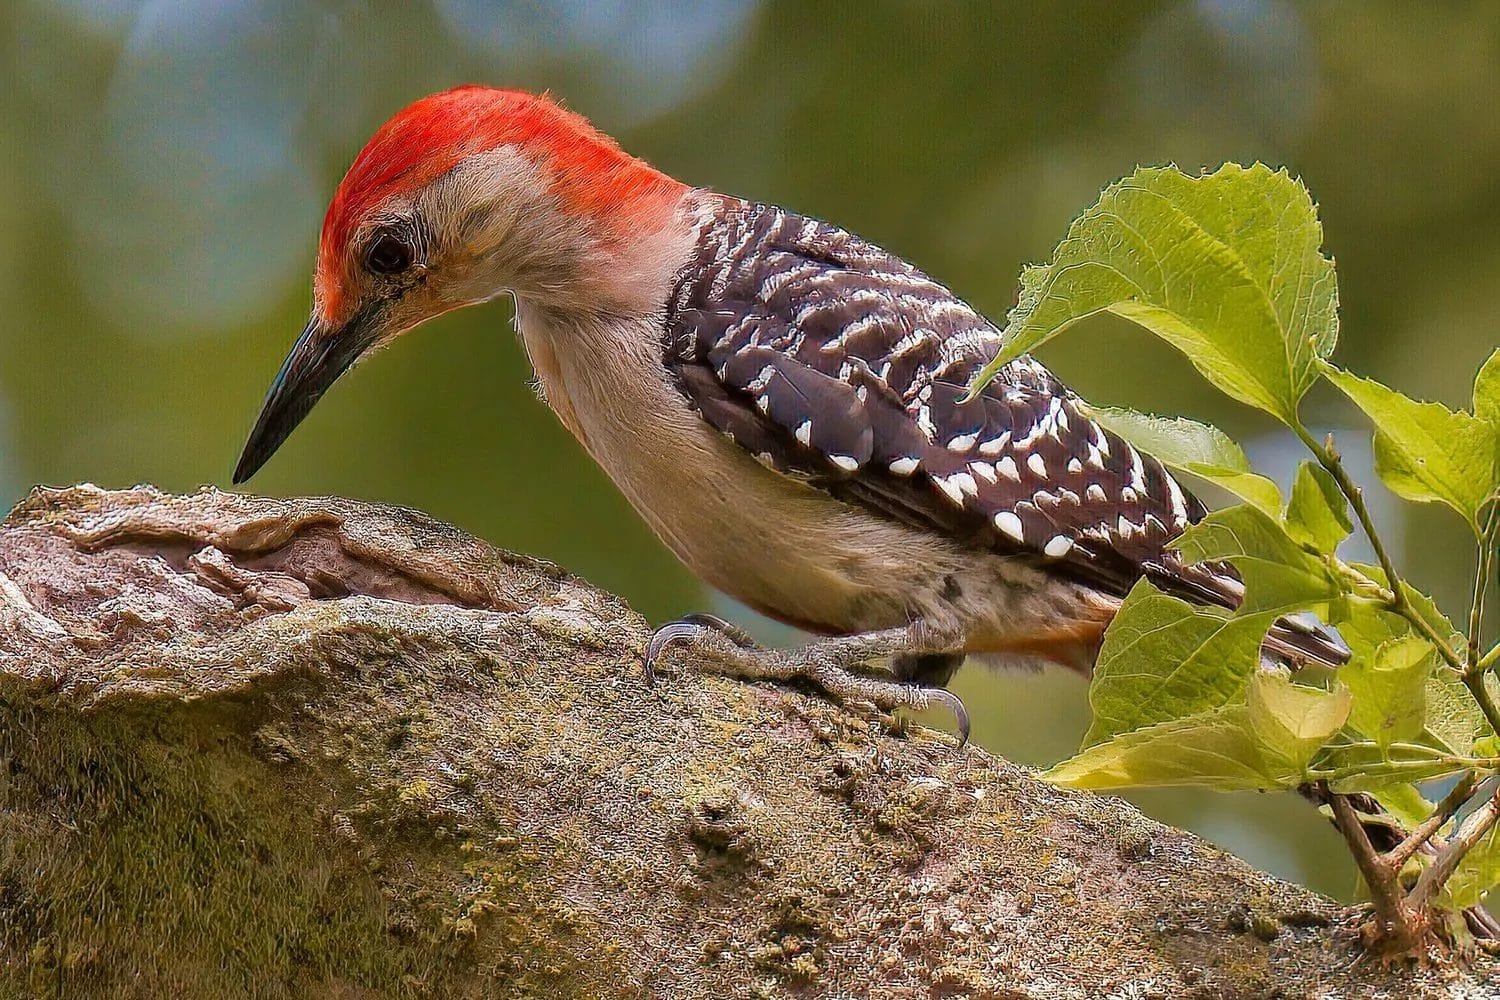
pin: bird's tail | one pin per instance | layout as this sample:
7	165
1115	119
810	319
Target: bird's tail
1301	640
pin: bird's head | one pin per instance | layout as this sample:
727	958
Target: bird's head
463	196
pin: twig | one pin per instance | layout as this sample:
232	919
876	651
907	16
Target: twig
1385	888
1481	692
1483	566
1474	826
1397	856
1328	457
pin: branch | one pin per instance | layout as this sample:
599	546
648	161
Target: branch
1328	457
322	748
1401	924
1474	826
1399	855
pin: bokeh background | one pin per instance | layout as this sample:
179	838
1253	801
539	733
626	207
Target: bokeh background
164	165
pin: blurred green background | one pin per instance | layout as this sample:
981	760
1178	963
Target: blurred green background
166	164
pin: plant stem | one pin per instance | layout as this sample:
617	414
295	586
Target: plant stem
1421	769
1330	461
1474	826
1484	565
1398	924
1397	856
1481	692
1335	468
1488	660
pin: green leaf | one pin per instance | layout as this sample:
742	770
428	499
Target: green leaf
1225	267
1406	804
1198	449
1425	606
1487	390
1453	718
1425	451
1389	689
1279	575
1292	722
1317	515
1266	742
1165	659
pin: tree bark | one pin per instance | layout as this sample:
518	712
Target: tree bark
324	748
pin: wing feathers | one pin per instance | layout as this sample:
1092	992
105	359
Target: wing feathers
845	367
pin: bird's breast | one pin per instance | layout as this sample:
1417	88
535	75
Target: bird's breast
782	547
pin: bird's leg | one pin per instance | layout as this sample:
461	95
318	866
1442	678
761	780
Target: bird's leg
828	663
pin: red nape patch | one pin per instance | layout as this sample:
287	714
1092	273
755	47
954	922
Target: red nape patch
426	139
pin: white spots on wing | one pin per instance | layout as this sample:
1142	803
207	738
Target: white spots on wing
904	466
765	458
1037	465
1179	502
965	483
763	403
994	446
1126	528
1137	469
1010	525
983	470
862	393
924	421
913	341
804	432
1058	546
1007	468
962	442
1074	466
1069	497
1095	493
950	486
846	462
1062	418
1030	437
1127	495
1095	457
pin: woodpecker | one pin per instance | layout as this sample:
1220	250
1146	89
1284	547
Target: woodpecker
781	401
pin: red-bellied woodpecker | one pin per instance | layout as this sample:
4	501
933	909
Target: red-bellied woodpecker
782	401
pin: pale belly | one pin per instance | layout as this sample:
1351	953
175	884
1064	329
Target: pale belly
788	550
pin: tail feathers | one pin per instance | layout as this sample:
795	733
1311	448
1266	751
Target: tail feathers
1301	639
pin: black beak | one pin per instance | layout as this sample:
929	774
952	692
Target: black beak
315	362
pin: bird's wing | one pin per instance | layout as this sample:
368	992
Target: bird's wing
841	365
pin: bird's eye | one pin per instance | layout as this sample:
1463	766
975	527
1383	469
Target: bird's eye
389	254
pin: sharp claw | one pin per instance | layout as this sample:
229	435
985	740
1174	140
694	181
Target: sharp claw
678	631
733	632
955	705
685	628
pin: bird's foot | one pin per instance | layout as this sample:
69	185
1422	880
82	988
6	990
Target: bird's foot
692	628
827	663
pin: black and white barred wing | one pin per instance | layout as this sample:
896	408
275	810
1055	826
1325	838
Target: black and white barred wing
841	365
